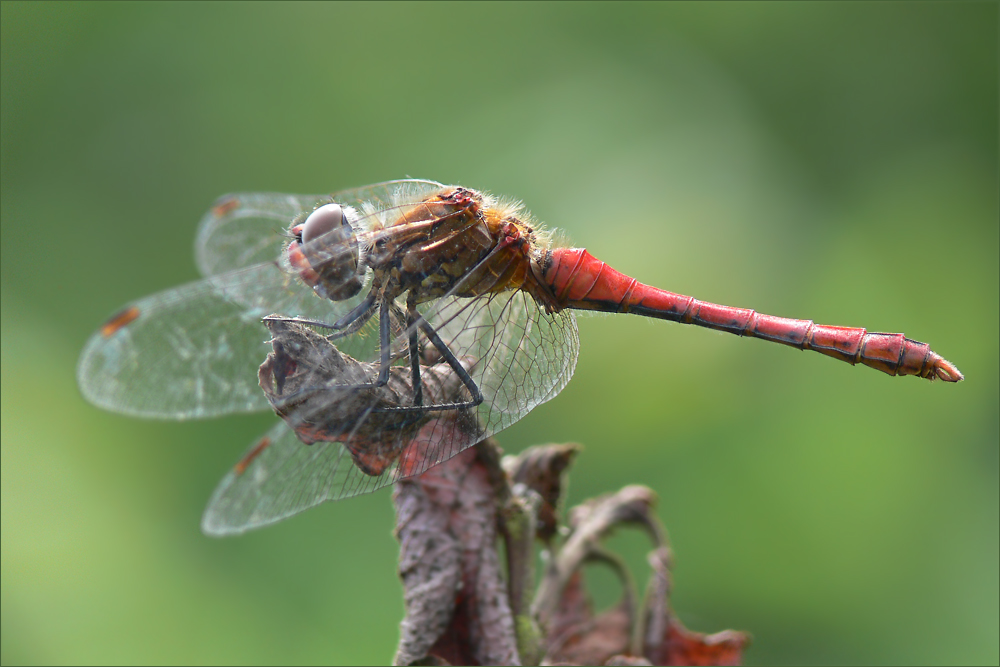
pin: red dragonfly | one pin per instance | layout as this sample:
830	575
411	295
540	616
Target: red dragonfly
391	308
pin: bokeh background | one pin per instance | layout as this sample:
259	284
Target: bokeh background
832	162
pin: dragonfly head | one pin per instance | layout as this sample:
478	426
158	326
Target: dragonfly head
324	250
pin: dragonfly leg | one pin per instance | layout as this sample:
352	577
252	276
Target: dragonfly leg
449	356
417	321
411	327
361	311
456	365
345	326
385	353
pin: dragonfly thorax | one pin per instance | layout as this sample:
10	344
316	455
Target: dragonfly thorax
457	242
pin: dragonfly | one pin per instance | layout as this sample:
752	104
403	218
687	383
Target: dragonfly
390	326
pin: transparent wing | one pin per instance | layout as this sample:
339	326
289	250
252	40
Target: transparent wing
193	351
277	477
519	356
244	229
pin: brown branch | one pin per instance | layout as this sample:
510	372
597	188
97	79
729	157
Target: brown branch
463	608
457	608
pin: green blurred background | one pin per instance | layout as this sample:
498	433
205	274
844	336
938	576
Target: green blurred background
832	162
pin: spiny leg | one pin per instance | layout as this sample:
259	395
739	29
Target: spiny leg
411	328
452	360
346	325
384	335
356	318
449	356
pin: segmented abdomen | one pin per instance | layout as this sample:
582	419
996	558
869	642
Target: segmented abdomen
581	281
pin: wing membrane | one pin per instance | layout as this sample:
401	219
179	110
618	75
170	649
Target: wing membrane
522	355
193	351
244	229
279	476
519	355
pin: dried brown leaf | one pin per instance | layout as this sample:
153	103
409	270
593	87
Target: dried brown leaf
593	641
542	469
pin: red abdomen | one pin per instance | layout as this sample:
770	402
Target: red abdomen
579	280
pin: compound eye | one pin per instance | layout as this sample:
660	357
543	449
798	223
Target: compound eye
322	221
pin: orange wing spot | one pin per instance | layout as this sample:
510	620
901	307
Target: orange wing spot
119	320
245	462
225	206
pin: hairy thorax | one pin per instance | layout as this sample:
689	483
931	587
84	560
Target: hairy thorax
454	242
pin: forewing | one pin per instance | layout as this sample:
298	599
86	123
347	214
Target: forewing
193	351
247	228
244	229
